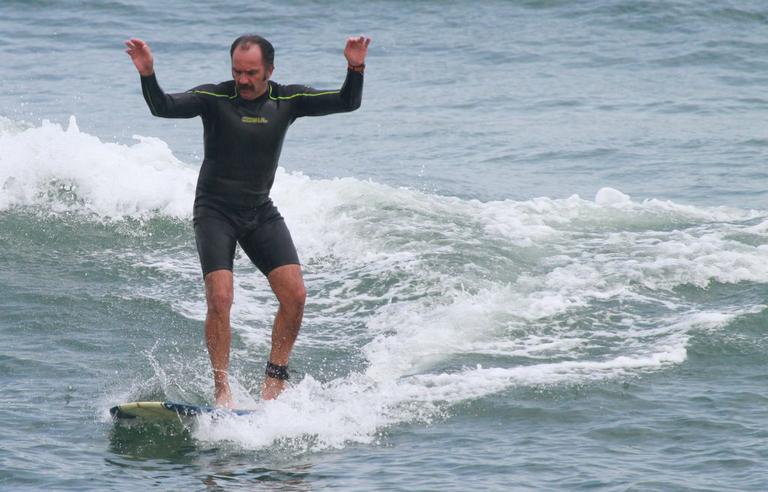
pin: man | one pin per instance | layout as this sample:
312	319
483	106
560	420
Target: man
245	121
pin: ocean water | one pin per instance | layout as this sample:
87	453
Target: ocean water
536	258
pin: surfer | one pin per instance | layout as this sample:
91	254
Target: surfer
245	120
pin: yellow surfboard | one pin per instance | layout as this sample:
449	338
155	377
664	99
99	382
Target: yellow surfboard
166	410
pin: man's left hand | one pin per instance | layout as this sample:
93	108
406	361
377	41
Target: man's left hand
356	49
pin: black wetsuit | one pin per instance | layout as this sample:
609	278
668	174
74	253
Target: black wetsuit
243	140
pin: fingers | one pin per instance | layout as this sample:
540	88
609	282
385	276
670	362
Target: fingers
141	55
359	40
135	45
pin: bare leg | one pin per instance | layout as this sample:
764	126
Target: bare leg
219	293
288	285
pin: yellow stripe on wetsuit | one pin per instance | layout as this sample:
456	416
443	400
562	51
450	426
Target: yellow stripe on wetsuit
274	98
214	94
284	98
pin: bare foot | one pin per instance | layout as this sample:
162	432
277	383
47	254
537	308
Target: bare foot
272	388
223	396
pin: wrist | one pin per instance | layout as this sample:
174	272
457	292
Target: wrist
356	68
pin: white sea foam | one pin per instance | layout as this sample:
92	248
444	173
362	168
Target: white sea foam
66	169
313	416
555	290
401	384
548	313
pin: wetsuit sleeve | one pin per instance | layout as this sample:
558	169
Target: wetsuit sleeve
182	105
312	102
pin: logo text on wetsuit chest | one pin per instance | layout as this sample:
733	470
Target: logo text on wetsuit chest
254	119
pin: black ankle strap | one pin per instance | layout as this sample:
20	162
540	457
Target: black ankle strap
277	372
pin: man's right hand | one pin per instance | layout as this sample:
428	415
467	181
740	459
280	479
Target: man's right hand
141	56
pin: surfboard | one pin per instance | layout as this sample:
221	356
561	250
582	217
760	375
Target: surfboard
167	410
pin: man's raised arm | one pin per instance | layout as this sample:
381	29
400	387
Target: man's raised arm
313	102
184	105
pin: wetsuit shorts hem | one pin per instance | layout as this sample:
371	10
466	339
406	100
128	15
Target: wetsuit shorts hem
261	233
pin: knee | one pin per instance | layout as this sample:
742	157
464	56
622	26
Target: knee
295	298
219	301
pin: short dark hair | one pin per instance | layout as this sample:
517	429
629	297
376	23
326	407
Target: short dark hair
246	40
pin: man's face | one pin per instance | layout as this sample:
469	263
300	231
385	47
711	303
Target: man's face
249	72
